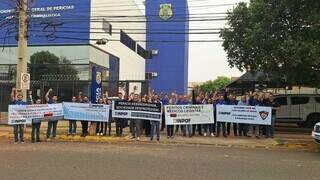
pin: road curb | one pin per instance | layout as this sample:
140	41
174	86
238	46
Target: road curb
274	145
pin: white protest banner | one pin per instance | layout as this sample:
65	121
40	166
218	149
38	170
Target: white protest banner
23	114
86	112
244	114
137	110
189	114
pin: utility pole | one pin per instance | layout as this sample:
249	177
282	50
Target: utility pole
22	44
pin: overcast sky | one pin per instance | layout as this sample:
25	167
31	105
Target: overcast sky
208	60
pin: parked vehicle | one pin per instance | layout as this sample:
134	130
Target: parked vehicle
302	109
316	133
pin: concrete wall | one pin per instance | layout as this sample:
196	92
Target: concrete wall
132	66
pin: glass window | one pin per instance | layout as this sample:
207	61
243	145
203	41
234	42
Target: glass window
281	100
128	41
299	100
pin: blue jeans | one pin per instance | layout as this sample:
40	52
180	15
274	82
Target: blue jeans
155	125
72	127
52	128
35	133
170	130
270	129
209	127
18	132
187	129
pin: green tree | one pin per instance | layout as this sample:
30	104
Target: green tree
278	37
44	63
215	85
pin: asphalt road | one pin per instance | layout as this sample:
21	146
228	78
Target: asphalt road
84	161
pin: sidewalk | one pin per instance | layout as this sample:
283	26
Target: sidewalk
281	141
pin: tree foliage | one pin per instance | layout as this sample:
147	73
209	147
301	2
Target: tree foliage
215	85
48	64
278	37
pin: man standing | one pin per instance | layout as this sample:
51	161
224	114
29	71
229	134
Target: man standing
52	123
136	124
155	125
17	99
220	125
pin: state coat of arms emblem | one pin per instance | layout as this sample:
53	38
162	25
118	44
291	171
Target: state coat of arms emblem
98	77
165	12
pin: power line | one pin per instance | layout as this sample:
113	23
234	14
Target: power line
163	41
148	32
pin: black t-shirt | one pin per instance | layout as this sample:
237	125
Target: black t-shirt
273	104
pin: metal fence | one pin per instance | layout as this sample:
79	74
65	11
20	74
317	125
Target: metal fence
65	89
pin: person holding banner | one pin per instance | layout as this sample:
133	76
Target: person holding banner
108	124
220	125
73	123
209	127
198	127
99	127
52	124
18	129
243	128
84	124
147	124
119	121
155	125
136	124
186	128
170	128
254	101
231	100
165	101
36	124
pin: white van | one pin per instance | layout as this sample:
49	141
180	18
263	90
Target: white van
316	133
302	109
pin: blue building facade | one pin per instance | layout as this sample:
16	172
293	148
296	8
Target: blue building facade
167	32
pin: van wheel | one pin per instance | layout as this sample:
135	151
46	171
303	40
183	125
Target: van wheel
312	120
317	140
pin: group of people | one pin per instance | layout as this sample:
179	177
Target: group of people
152	128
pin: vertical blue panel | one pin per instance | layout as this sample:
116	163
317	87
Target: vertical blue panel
171	63
50	22
96	84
